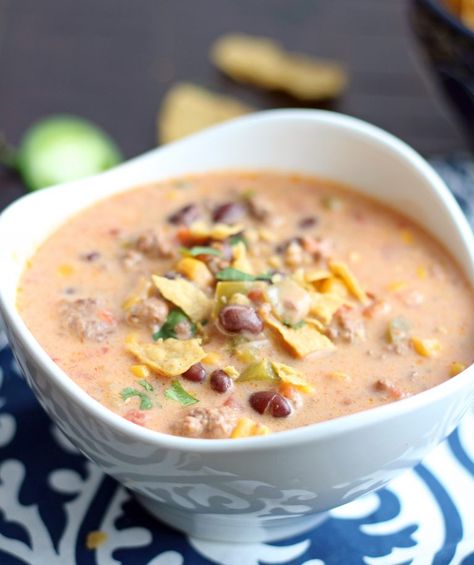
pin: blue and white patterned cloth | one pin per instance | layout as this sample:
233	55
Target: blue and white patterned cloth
51	497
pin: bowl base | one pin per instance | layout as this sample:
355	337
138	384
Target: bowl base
231	528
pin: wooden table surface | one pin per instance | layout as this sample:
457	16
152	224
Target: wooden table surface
112	60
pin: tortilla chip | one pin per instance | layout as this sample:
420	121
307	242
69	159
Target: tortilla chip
301	341
203	231
315	275
341	270
169	357
316	323
324	305
186	296
263	62
291	376
467	13
188	108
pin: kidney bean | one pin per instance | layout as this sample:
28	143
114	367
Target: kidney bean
228	213
271	402
90	257
220	381
308	222
239	318
196	373
185	216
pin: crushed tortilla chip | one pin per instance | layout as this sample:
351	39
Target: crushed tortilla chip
188	108
203	231
324	306
186	296
301	341
170	357
231	371
263	62
291	376
240	259
340	269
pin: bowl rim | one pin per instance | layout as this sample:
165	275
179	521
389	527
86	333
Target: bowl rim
295	436
446	15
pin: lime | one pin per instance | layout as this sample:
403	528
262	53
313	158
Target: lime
61	148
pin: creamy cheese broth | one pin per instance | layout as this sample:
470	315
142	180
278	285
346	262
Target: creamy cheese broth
398	319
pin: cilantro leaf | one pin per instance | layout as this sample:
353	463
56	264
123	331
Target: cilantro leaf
145	402
200	250
235	239
146	385
168	329
177	393
231	274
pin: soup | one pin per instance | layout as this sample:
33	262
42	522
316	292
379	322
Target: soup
235	304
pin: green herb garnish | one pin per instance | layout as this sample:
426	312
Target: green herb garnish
231	274
296	326
235	239
200	250
332	203
168	329
177	393
145	402
146	385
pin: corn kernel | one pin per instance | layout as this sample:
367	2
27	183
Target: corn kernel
195	270
130	302
211	358
354	257
95	539
140	371
396	286
240	260
267	235
421	272
131	338
456	368
65	270
275	261
407	237
251	236
340	376
246	427
426	347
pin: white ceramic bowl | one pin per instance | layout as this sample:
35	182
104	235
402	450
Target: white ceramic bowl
260	488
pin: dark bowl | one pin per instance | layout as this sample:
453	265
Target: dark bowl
449	46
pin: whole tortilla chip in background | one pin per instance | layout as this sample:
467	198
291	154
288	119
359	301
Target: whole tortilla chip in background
264	63
188	108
